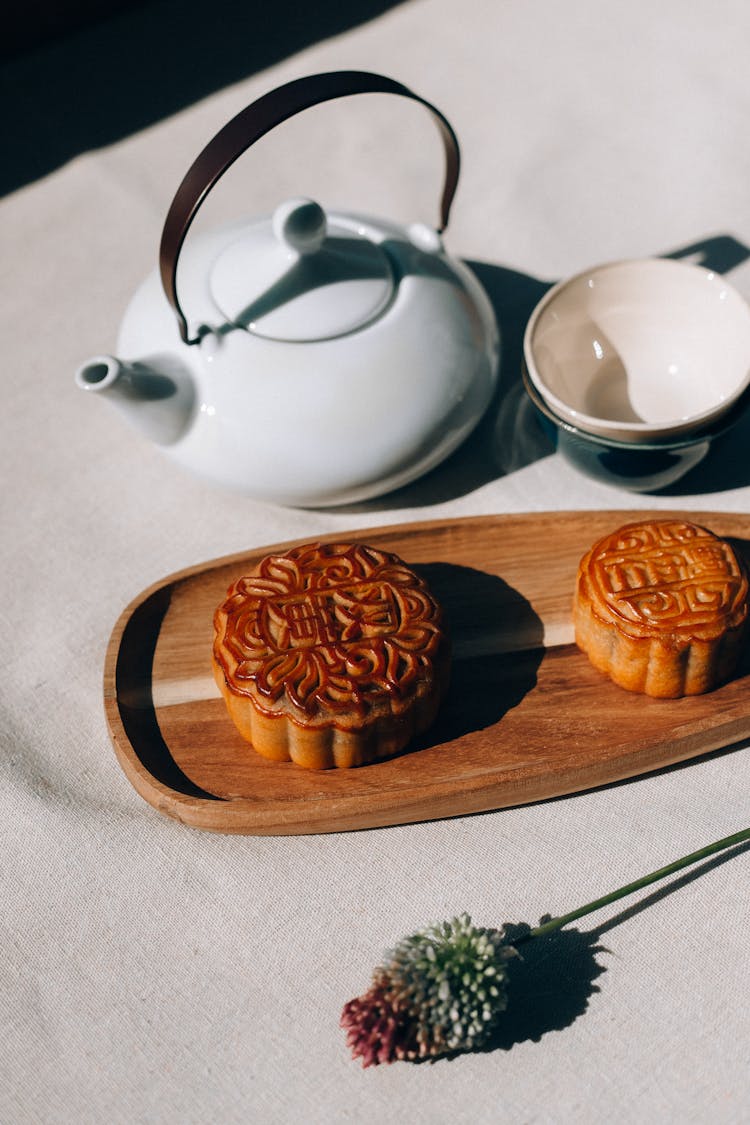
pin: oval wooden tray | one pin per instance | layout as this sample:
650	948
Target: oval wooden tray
526	717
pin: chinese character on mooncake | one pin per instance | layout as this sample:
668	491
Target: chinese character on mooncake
330	655
661	607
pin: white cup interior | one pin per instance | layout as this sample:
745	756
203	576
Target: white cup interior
640	347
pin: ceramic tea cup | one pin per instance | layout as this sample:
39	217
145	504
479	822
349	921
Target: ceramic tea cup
638	466
640	351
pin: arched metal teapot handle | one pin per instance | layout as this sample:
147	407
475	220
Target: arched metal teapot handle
254	122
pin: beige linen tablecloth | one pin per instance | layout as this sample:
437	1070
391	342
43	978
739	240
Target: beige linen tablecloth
154	973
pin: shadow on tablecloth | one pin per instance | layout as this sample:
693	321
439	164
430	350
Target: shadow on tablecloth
551	983
509	437
112	77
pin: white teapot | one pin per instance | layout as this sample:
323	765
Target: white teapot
313	358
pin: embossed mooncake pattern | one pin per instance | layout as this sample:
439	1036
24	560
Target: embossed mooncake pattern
330	655
661	607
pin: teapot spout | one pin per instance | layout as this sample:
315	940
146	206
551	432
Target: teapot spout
156	396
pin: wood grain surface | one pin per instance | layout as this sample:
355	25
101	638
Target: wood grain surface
526	717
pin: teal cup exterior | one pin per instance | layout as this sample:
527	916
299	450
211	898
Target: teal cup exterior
635	466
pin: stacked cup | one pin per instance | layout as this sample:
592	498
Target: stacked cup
638	366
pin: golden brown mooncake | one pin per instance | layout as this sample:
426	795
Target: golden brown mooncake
330	655
661	607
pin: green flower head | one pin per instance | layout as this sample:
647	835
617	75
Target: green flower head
438	991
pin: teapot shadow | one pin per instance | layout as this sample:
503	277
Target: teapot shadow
497	647
510	436
502	441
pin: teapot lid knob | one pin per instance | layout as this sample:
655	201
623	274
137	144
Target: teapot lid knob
300	224
303	276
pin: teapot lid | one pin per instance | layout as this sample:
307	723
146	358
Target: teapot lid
301	277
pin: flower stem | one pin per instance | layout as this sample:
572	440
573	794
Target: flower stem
694	857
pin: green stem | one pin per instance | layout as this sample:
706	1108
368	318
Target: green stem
629	888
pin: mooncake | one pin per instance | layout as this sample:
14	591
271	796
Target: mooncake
331	654
661	607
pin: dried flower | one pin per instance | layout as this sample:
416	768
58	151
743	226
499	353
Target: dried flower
439	990
443	989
